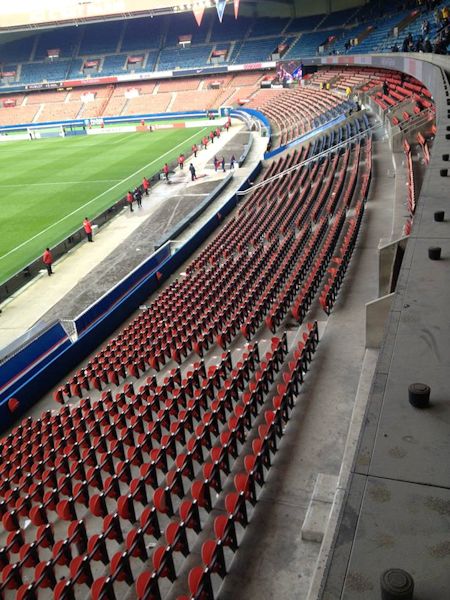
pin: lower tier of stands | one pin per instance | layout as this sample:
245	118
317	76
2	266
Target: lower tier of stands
130	99
115	488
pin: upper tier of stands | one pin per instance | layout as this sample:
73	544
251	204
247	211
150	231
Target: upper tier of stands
246	40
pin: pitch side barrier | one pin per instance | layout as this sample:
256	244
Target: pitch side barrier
36	368
193	114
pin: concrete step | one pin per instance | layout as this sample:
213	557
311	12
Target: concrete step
316	518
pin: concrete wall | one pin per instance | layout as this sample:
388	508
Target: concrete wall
376	316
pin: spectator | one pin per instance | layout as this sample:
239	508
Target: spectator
137	194
232	161
47	259
145	185
88	229
440	47
223	163
166	172
385	88
405	45
419	44
192	170
395	48
437	16
427	47
130	200
216	164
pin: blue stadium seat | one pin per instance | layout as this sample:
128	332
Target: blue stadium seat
256	50
56	70
114	63
102	38
18	50
142	33
230	29
173	58
65	39
337	19
268	26
304	23
185	24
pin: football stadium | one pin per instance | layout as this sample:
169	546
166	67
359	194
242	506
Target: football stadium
224	283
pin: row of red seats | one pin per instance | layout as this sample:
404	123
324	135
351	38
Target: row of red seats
125	504
308	291
293	113
228	240
425	149
246	484
337	273
296	277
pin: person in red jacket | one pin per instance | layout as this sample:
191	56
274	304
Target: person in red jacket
145	185
88	229
194	150
166	171
181	161
211	137
205	142
47	259
218	132
130	200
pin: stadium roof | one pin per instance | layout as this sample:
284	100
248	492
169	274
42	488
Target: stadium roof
29	14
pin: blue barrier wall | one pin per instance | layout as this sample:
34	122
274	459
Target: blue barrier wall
107	302
24	363
58	360
257	115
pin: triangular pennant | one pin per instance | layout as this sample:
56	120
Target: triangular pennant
198	14
220	6
236	8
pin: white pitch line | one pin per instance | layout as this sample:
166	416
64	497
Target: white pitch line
21	185
74	212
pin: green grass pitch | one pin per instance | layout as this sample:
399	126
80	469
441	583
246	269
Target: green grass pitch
48	186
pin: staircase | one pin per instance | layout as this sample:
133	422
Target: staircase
172	100
38	113
105	102
19	72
